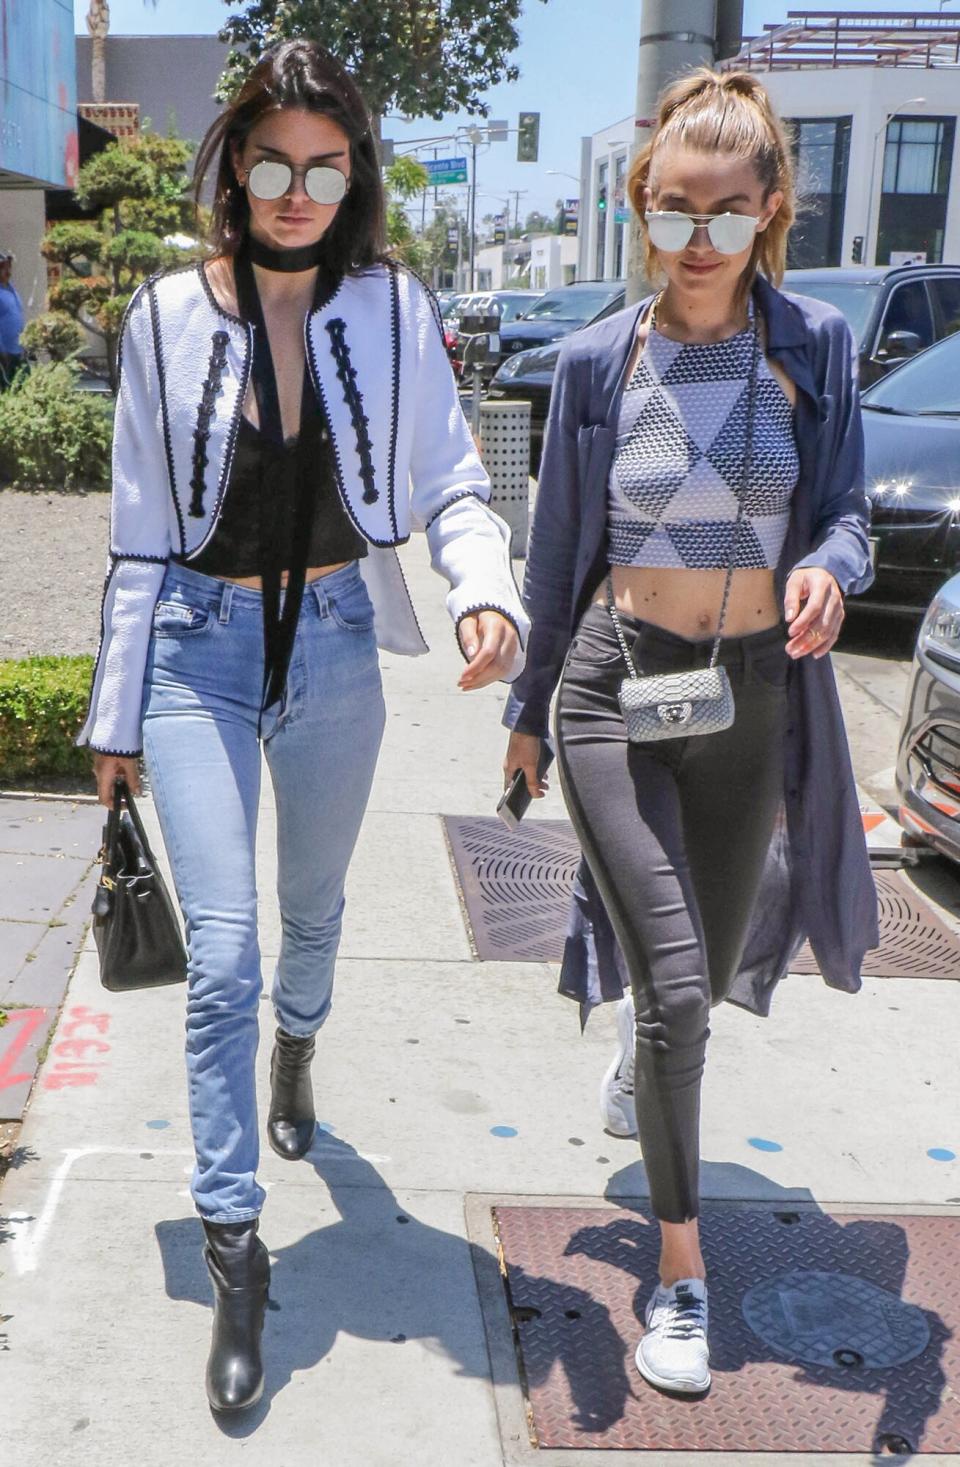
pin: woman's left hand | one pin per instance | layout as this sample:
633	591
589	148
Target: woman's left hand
490	642
816	627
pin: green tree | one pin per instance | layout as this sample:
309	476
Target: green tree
405	178
138	185
424	58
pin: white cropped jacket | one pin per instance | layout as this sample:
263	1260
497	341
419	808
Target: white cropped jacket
405	459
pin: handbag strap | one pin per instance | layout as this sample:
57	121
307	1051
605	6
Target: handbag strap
121	797
741	501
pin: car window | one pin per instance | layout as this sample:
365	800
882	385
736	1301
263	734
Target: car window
574	305
946	297
512	306
908	309
854	299
929	383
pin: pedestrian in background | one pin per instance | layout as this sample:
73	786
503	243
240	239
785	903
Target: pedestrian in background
11	322
701	488
286	413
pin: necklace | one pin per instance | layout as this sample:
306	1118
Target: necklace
652	323
300	257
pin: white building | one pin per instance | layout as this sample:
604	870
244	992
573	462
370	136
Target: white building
874	101
550	259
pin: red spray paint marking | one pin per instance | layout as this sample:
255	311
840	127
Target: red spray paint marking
28	1021
73	1063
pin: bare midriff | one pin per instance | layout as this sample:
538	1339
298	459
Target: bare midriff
688	601
254	583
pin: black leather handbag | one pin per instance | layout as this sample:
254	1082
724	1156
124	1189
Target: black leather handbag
135	925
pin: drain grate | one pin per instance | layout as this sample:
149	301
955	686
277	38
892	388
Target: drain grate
833	1334
517	885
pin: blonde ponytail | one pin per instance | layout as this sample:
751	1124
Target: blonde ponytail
725	112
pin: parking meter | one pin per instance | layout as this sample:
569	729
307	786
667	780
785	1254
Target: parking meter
481	327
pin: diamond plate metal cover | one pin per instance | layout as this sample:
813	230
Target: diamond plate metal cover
854	1292
516	886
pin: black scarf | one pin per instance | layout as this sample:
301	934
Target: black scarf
299	476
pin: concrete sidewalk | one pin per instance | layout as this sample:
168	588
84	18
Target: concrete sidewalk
441	1083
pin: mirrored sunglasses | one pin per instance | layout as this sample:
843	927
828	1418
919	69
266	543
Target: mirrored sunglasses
728	233
271	180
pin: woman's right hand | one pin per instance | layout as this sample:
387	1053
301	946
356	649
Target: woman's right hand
523	752
108	768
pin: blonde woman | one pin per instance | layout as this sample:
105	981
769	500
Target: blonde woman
703	450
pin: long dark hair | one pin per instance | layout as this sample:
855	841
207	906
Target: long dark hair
299	73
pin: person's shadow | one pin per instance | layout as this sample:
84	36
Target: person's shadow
380	1274
875	1250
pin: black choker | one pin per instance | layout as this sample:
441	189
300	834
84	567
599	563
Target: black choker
302	257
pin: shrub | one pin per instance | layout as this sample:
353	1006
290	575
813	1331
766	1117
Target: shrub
43	702
55	333
53	434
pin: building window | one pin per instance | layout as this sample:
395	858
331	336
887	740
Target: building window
916	187
821	151
539	277
621	215
603	203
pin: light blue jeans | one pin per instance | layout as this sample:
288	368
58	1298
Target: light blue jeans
201	701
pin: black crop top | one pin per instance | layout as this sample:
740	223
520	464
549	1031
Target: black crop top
259	502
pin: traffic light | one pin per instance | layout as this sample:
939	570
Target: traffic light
528	137
856	253
602	199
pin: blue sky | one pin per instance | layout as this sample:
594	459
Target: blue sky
580	77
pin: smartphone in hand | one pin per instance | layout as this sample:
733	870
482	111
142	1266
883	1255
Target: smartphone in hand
516	798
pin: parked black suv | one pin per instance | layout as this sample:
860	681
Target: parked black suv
895	311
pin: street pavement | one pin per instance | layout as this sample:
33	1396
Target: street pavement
443	1084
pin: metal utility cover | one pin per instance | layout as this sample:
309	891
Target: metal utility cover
828	1333
516	887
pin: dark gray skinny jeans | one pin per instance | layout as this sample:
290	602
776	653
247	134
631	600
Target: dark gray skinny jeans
675	833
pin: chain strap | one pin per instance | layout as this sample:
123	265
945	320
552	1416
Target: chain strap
741	500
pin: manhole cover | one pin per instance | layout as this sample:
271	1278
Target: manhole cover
835	1319
577	1280
517	885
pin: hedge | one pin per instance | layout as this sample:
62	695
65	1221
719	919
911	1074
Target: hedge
53	434
43	702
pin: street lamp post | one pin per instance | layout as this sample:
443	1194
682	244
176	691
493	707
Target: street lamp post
910	102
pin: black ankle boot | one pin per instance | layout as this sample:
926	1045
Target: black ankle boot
239	1266
292	1120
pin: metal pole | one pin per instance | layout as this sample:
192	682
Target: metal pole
473	215
674	35
729	28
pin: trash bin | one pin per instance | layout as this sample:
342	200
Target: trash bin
505	450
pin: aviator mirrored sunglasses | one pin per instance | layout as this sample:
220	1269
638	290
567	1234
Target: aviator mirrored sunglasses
728	233
271	180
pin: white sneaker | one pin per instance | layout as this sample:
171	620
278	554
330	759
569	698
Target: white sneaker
617	1105
673	1354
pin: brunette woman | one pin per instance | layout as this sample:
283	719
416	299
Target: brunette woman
277	402
702	477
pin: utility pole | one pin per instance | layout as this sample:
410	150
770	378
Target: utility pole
674	36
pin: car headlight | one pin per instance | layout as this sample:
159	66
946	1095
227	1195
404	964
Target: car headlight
941	629
509	368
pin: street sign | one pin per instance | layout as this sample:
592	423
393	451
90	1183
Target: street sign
499	229
445	170
571	210
453	236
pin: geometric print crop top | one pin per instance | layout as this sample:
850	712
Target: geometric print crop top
672	495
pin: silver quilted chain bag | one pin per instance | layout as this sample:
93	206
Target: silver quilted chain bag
681	704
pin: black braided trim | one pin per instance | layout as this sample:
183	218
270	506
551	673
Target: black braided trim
201	433
472	611
395	398
454	498
230	446
117	753
116	555
162	377
352	396
123	324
